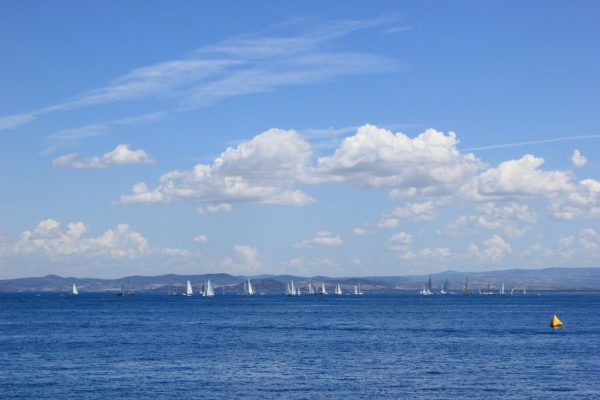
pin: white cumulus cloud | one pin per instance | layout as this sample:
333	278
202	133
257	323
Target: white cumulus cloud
54	240
261	170
494	249
512	219
377	157
515	179
201	239
214	208
121	155
321	239
577	159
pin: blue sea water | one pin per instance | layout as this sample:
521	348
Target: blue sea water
376	346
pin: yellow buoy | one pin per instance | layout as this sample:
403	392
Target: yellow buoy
555	322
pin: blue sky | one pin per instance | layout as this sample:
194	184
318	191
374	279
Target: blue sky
380	138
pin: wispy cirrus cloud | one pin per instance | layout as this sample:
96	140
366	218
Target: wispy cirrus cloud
297	52
531	142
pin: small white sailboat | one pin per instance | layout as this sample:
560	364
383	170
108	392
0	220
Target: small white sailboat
338	290
311	288
489	291
359	290
188	289
208	290
512	291
74	290
502	292
248	289
291	289
445	288
356	290
426	291
323	290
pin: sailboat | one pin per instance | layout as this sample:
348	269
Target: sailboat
323	290
188	289
356	290
524	291
502	289
124	292
338	290
426	291
248	290
74	291
489	291
311	288
466	292
291	289
445	288
512	291
208	290
359	291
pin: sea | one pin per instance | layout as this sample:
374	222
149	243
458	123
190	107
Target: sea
374	346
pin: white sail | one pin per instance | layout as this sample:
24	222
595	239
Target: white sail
292	289
338	289
323	290
359	291
74	291
311	288
512	291
502	289
208	291
288	290
426	291
188	290
248	288
355	289
445	288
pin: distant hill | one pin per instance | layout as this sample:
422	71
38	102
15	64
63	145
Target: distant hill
585	279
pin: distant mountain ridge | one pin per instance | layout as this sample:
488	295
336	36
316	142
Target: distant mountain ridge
530	279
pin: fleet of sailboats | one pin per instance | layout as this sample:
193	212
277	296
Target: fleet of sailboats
207	289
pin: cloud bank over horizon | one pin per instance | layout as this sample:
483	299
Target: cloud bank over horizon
427	174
